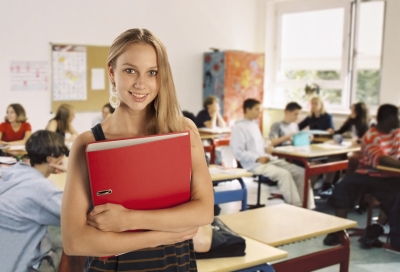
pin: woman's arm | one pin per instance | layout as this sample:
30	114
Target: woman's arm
52	125
73	133
197	212
345	127
305	123
84	240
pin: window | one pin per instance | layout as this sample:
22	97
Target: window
335	44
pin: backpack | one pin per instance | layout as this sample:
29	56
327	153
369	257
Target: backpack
394	223
225	242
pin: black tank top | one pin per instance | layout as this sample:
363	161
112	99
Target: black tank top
169	258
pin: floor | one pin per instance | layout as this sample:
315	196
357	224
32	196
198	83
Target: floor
361	260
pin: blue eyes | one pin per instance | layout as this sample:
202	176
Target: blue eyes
151	72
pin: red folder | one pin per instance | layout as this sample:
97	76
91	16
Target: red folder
145	173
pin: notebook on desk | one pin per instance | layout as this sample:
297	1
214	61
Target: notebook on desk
216	130
145	173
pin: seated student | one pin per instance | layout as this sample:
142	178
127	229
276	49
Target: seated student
15	130
249	149
281	132
318	118
106	111
209	116
62	122
358	121
29	203
380	145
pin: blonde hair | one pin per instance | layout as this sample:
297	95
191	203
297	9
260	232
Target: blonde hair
322	111
19	111
163	113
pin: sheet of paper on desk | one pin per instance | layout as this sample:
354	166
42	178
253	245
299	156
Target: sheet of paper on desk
226	171
215	130
7	160
290	148
332	145
16	147
319	132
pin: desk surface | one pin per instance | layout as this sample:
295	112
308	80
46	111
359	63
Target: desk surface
282	224
389	169
206	136
256	253
218	174
59	180
316	150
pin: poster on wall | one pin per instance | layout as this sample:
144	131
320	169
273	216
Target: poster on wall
29	76
69	72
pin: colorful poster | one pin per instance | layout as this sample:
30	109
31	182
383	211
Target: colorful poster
69	73
244	78
29	76
214	76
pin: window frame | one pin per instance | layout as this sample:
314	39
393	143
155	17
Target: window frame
348	71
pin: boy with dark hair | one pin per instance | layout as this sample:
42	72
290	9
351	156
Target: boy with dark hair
249	148
29	203
380	145
281	132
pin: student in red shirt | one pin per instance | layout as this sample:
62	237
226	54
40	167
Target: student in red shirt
15	130
380	145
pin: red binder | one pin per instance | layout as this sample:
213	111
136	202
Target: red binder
145	173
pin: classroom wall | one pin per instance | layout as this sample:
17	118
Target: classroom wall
187	28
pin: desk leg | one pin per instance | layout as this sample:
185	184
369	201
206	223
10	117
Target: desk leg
307	175
262	268
337	255
258	204
212	152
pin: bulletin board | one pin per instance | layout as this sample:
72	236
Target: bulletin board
79	77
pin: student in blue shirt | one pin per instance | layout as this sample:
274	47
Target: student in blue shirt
318	118
29	203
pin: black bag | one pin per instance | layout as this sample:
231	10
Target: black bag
394	223
225	243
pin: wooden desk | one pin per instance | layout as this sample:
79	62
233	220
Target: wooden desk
304	154
215	139
257	254
231	195
59	180
395	171
282	224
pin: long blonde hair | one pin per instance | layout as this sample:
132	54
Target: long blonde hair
62	117
322	111
163	113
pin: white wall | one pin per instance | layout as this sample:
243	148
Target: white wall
187	28
390	75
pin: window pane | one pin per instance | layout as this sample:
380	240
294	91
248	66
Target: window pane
298	94
369	51
311	41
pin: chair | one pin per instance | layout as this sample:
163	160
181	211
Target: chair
261	179
367	200
71	263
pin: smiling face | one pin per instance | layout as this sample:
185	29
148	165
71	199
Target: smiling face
11	115
135	76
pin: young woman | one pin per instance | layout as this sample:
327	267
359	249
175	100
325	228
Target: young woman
146	104
318	118
62	122
358	121
15	130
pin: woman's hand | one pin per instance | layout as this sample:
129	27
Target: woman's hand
330	131
169	238
108	217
